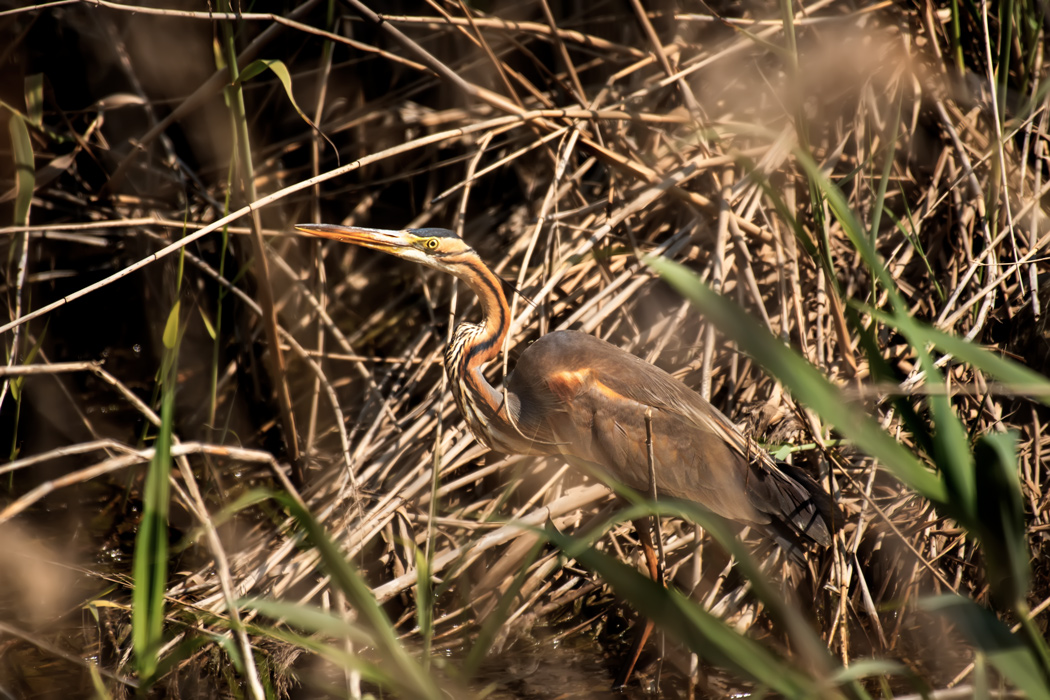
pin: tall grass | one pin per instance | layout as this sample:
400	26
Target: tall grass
151	542
828	219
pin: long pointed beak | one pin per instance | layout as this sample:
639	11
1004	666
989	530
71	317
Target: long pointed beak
385	240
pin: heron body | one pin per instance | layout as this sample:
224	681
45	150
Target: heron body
584	399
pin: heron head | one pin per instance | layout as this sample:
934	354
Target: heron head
434	247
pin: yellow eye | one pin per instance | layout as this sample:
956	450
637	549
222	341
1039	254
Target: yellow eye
431	244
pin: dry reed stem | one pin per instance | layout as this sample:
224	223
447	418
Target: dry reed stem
636	143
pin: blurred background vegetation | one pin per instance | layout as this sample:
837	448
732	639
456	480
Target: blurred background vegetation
231	464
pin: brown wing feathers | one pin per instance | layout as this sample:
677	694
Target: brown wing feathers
587	398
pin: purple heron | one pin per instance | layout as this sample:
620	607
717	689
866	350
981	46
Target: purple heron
581	398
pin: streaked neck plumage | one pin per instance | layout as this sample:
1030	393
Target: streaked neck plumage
472	347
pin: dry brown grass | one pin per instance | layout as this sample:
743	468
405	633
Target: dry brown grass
561	149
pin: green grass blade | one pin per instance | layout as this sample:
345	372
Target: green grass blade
1000	517
101	692
25	173
309	618
171	327
889	137
424	603
951	446
852	227
222	516
1006	371
640	507
281	71
30	357
190	645
869	668
950	441
803	380
34	91
1005	651
680	617
410	674
806	641
495	619
916	243
316	623
150	567
881	371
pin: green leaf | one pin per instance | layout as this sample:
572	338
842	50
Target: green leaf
35	99
16	383
150	565
222	516
207	323
411	677
309	619
866	668
804	381
171	328
951	447
25	173
498	617
1006	651
320	623
682	618
281	71
1008	372
192	644
890	138
1000	518
97	684
851	226
424	601
881	371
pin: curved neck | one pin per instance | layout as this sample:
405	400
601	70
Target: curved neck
495	313
473	346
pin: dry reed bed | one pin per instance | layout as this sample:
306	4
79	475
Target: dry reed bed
562	156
